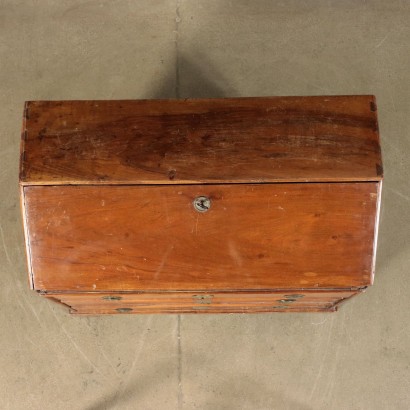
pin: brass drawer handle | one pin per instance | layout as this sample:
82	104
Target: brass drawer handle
124	310
111	298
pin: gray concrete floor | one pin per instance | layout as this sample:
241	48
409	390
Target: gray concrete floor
358	358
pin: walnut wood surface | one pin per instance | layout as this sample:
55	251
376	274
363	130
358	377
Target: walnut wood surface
107	190
331	138
186	302
261	236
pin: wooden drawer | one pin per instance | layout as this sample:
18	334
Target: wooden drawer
242	201
188	302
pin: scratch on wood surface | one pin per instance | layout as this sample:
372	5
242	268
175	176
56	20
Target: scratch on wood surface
166	211
163	261
235	254
195	226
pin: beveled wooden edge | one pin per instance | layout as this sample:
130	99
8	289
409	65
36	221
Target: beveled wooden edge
376	231
342	301
57	293
26	238
60	303
22	197
23	142
208	312
199	99
372	97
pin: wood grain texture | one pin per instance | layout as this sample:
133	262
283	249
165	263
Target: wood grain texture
239	140
107	190
188	302
255	236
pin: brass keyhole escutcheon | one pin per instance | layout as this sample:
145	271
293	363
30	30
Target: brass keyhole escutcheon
202	203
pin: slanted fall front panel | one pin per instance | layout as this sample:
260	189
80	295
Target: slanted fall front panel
274	236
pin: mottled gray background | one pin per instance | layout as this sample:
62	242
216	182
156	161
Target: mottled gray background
357	358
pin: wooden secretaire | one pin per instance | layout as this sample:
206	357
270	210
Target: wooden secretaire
212	205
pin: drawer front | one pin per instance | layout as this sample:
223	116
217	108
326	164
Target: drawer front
188	302
252	237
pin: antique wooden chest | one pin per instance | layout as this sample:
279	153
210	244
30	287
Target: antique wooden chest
208	205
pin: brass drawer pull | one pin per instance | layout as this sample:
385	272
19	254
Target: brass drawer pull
111	298
124	310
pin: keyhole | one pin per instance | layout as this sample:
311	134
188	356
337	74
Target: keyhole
202	203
